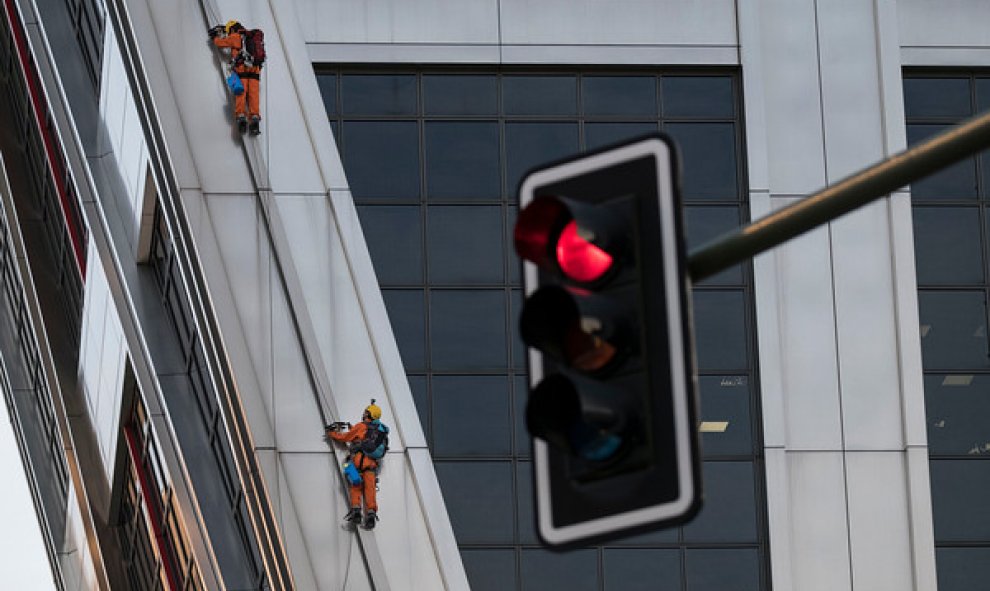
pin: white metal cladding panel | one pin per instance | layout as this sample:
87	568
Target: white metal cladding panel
623	22
946	23
807	337
399	21
101	361
869	368
819	543
795	141
234	246
851	98
879	523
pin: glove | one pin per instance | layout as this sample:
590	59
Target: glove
214	31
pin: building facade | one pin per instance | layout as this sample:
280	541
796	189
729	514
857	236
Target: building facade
183	309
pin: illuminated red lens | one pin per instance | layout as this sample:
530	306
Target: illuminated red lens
579	259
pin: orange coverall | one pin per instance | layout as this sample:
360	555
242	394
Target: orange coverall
250	76
365	465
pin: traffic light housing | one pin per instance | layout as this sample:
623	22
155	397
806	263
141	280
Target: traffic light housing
612	405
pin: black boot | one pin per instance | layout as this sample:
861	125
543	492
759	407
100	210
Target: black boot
353	516
255	127
370	519
242	124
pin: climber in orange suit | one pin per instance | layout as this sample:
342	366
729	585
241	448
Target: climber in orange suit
231	36
366	466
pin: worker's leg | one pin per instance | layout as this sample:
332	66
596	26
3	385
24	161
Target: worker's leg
239	104
370	496
252	88
356	496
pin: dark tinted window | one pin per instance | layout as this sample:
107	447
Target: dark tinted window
937	97
945	239
467	329
395	239
464	245
463	160
620	95
435	184
955	182
953	329
698	96
373	147
378	94
460	94
708	158
951	253
539	95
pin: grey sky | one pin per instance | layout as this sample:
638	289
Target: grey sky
23	560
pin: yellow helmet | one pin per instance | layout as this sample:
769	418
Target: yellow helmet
230	25
373	411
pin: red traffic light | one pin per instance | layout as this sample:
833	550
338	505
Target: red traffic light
548	234
578	258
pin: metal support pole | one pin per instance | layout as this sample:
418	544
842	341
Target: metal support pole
879	180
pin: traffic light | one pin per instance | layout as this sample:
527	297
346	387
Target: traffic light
612	405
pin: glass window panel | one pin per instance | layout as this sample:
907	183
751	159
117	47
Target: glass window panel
526	517
726	427
520	390
335	129
421	397
405	313
597	135
575	571
697	96
530	144
515	263
635	569
955	182
985	174
490	569
708	159
378	94
937	97
962	569
619	95
463	160
729	511
328	90
953	329
958	411
720	329
478	496
465	244
947	245
959	491
473	412
372	148
467	329
394	235
723	569
704	224
982	94
460	94
518	346
539	95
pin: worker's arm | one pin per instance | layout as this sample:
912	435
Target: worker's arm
230	41
354	433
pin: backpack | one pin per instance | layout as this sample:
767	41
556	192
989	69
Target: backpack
254	46
375	442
